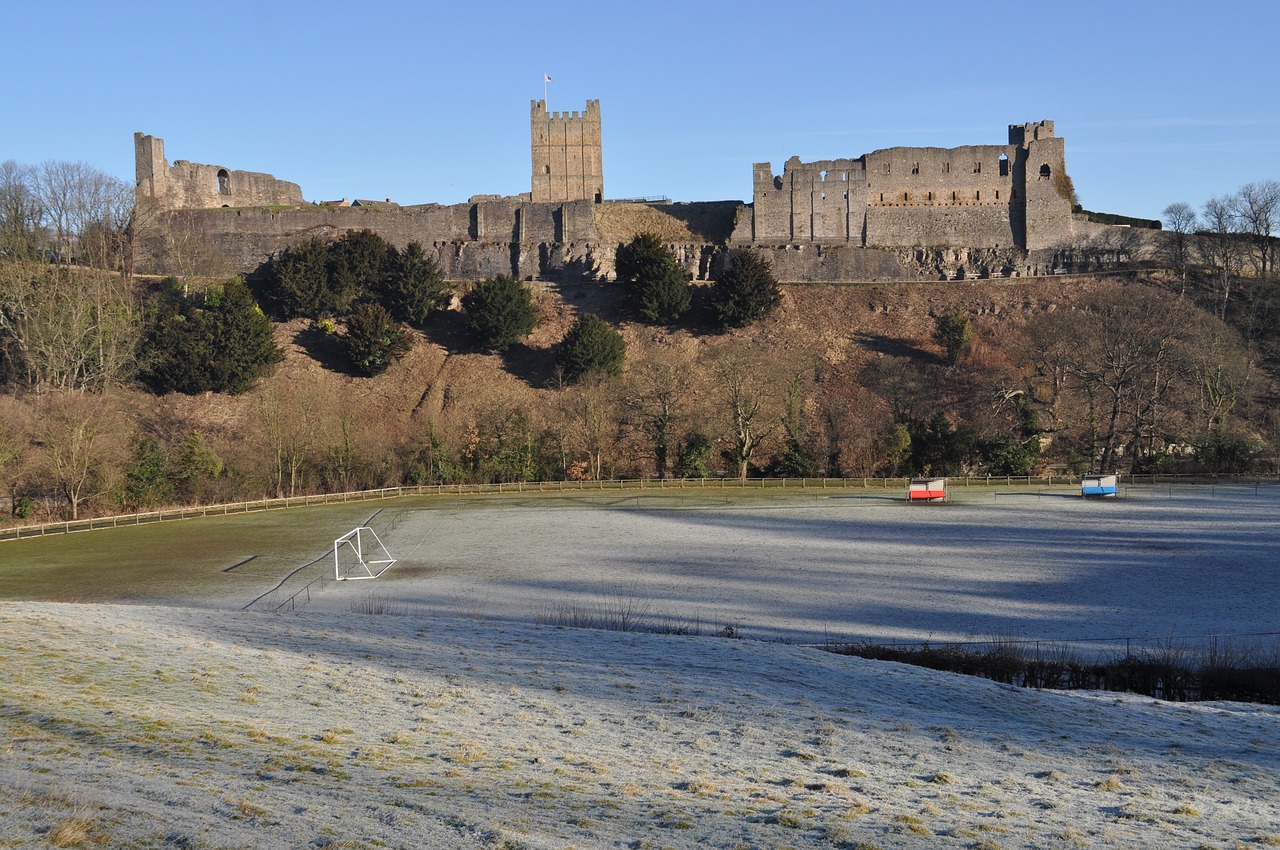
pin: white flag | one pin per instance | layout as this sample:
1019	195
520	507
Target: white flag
546	78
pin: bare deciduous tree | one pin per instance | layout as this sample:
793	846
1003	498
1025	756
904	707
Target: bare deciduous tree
748	388
590	412
282	420
1257	211
187	251
1180	223
1219	247
82	440
15	439
85	208
20	212
1123	357
71	329
656	393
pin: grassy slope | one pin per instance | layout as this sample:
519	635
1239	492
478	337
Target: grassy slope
142	727
844	327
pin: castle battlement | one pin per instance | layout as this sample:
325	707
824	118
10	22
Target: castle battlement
975	196
1034	131
567	152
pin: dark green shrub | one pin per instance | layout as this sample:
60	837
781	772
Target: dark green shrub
320	278
938	447
591	346
374	340
413	286
146	483
656	286
794	461
220	344
499	312
952	331
746	290
297	281
694	456
358	265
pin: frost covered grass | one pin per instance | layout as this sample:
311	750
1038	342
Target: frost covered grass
475	710
126	726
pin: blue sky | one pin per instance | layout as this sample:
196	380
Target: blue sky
428	102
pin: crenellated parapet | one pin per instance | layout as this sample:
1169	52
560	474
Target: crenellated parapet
567	153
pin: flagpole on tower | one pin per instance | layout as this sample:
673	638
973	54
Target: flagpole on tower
546	78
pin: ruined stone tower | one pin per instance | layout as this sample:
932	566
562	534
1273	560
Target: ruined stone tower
567	154
976	196
192	185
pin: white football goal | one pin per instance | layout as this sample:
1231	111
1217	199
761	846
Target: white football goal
360	554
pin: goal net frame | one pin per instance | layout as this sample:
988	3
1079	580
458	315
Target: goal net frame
358	539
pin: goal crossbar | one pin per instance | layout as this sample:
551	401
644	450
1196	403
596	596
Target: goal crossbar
363	542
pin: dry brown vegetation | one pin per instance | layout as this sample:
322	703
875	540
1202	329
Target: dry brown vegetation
839	368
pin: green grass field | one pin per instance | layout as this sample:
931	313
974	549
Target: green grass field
224	559
176	561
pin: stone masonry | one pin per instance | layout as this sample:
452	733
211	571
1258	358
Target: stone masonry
567	154
896	214
978	196
191	185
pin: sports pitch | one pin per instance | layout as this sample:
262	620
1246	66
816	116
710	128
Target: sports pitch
1160	563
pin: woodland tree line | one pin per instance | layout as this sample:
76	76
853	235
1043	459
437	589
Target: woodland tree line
1174	371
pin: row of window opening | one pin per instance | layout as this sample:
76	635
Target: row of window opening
1045	171
931	196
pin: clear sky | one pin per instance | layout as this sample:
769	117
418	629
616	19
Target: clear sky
429	101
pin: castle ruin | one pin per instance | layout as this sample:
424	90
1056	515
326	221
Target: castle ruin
567	154
904	213
978	196
191	185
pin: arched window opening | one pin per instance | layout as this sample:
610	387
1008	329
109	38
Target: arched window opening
1045	172
1004	165
915	169
823	175
224	182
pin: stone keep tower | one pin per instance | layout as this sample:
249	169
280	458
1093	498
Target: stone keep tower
567	154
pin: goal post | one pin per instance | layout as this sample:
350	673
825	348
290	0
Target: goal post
365	555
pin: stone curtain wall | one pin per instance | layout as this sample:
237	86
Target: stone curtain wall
471	241
895	214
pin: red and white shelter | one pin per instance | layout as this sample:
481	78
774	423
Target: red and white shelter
926	489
